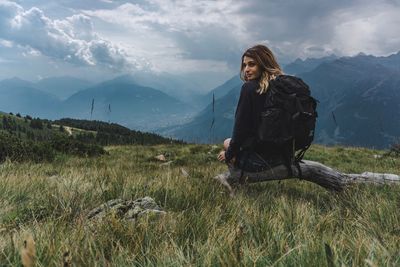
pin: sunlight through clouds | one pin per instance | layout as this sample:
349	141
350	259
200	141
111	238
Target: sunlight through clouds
193	36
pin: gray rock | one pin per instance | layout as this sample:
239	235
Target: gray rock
147	203
127	209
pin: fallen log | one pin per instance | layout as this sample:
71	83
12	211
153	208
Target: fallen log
311	171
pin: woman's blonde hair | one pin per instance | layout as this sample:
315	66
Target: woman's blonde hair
267	63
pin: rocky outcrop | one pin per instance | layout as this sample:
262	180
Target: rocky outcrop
127	209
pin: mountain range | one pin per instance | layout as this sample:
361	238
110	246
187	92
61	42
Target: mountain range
300	66
359	103
120	100
62	87
21	96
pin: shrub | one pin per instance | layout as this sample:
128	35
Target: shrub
36	124
9	123
69	145
394	150
16	149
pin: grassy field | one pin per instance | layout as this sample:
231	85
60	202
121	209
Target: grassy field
288	223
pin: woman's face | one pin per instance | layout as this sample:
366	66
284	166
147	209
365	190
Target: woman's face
251	69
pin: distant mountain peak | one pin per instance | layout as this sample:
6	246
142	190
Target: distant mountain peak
14	79
361	54
330	56
15	82
297	60
62	77
126	78
308	64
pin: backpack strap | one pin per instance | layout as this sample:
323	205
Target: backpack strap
297	164
301	153
298	158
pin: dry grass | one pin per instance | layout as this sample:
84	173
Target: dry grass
271	224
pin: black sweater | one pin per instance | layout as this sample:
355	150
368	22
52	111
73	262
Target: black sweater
247	118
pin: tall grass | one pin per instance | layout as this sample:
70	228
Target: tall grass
288	223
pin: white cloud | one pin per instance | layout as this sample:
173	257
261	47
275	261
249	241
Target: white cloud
71	39
6	43
373	31
77	27
29	52
183	31
197	35
218	31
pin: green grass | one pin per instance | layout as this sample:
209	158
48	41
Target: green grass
288	223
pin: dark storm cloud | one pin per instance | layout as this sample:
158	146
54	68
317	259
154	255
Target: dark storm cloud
221	30
308	28
196	34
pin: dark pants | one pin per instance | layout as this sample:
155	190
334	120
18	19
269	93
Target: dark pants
250	161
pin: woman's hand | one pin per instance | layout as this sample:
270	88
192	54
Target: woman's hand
221	156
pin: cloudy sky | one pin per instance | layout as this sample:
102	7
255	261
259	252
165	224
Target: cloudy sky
97	39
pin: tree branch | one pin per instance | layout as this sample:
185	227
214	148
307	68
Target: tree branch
312	171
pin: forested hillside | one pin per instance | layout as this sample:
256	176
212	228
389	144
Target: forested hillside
26	138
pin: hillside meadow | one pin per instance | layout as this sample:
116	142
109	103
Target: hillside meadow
287	223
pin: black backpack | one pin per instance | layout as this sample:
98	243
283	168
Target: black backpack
288	118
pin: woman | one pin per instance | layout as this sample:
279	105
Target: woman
258	68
